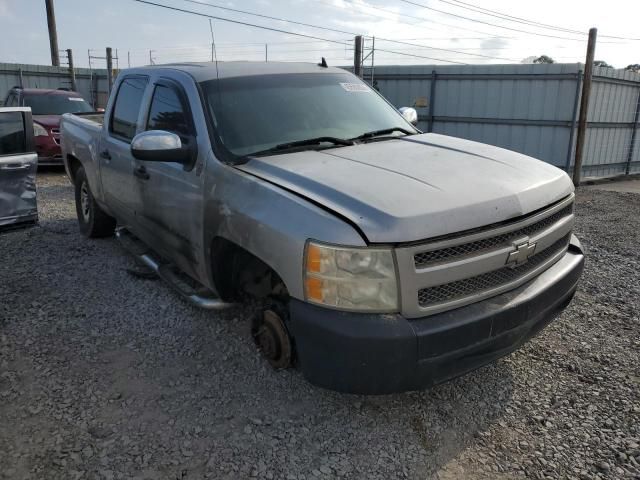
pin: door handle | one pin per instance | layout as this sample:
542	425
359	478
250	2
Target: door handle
141	173
13	167
105	154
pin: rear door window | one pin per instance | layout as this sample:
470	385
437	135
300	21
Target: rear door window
12	133
167	112
124	117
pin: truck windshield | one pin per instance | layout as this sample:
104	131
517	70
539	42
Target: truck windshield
256	113
56	104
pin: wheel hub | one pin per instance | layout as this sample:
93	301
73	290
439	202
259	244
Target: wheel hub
272	338
85	202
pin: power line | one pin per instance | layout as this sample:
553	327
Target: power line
510	18
279	30
445	49
268	17
475	8
419	56
222	19
280	19
475	20
414	17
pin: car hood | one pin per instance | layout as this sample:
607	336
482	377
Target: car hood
417	187
49	121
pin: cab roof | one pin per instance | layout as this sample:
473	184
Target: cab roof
203	71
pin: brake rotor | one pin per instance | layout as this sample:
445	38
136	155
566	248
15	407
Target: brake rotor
272	338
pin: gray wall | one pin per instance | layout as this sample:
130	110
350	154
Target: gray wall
91	84
527	108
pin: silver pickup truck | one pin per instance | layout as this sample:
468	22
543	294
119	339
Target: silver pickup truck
386	259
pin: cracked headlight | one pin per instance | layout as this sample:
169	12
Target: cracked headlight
360	279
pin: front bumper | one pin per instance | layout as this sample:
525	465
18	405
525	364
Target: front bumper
49	152
387	353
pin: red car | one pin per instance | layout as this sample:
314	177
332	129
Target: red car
47	107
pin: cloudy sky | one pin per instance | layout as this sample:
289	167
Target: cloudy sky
142	33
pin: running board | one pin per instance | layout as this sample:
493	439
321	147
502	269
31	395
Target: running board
185	286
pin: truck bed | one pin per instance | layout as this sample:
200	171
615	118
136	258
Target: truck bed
80	137
94	117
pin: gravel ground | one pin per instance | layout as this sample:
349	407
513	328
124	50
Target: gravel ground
107	376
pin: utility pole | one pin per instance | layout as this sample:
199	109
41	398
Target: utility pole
109	69
53	34
150	57
266	52
584	105
357	56
72	72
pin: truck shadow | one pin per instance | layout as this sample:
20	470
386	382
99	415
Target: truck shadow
172	374
421	432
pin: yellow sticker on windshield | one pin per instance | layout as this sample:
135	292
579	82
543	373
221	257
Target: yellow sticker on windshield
355	87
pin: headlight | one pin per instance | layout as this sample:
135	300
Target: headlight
39	130
351	278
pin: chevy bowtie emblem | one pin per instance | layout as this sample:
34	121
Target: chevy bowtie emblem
521	253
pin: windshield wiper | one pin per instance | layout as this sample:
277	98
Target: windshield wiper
281	147
384	131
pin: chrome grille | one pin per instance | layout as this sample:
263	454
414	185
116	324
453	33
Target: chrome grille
450	272
487	281
456	252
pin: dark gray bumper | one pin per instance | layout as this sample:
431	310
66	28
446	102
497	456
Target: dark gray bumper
377	354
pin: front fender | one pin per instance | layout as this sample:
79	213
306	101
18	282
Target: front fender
269	222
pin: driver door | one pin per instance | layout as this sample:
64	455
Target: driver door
171	192
18	165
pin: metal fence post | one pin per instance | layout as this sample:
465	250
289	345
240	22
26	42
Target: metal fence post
96	85
574	120
634	134
432	100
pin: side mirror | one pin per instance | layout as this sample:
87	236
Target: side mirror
159	146
409	114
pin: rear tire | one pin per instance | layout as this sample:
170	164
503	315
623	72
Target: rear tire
92	220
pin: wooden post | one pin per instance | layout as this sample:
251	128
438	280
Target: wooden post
357	56
584	105
109	70
72	71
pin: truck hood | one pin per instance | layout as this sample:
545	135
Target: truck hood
417	187
49	121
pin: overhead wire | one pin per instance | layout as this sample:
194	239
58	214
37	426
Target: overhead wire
280	19
222	19
411	2
495	13
414	17
215	17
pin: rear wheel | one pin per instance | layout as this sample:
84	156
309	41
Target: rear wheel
92	220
